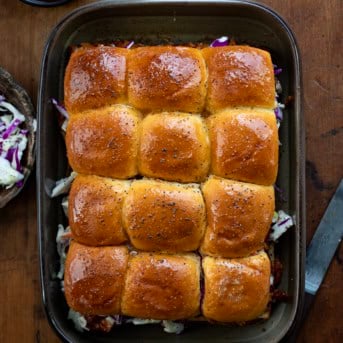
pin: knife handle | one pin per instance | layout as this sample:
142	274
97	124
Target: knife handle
294	332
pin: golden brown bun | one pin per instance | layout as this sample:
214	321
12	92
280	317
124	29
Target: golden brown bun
162	286
239	76
236	290
167	78
104	142
95	205
95	77
244	145
239	216
161	216
174	147
94	278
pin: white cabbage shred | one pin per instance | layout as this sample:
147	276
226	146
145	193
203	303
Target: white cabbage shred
282	222
78	319
172	327
168	325
8	175
62	241
63	186
65	203
142	321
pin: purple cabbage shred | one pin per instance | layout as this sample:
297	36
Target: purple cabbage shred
17	160
278	113
20	183
10	154
130	45
60	108
11	128
284	221
277	71
222	41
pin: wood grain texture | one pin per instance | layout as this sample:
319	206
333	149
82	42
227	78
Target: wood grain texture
317	25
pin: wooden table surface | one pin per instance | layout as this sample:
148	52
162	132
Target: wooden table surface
317	25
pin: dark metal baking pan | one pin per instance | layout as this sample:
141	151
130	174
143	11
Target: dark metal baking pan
178	21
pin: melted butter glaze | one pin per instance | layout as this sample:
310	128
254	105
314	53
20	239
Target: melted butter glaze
174	147
236	290
244	145
95	206
239	76
162	216
95	77
94	278
104	142
167	78
162	286
239	216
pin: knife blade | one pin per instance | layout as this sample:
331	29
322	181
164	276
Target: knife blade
323	247
320	253
324	243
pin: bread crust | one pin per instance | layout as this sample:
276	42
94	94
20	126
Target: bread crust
167	78
244	145
104	141
95	206
162	216
94	278
239	216
162	286
236	290
174	147
239	75
95	77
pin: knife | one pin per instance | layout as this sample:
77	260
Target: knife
321	251
323	246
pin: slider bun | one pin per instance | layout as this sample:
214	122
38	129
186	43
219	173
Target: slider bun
95	205
95	77
239	216
104	142
162	286
161	216
239	76
236	290
94	278
244	145
175	147
167	78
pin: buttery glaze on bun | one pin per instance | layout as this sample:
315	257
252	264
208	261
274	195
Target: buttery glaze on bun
239	76
95	77
162	216
239	216
174	147
236	290
244	145
95	205
104	141
94	278
167	78
162	286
